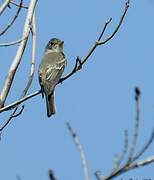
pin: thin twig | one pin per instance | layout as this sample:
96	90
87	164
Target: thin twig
145	147
98	175
13	115
125	149
117	28
142	163
129	167
19	113
13	20
137	124
104	28
13	42
15	4
14	104
4	6
80	149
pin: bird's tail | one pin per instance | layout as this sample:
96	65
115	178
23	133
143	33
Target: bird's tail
50	104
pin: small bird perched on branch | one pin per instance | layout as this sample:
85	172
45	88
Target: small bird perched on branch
50	71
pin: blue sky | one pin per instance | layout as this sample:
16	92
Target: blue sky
98	101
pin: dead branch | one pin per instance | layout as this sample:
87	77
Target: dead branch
81	151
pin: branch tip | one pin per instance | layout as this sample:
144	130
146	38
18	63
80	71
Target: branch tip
137	93
108	21
127	4
71	129
98	175
51	175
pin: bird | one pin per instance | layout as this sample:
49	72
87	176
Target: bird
50	71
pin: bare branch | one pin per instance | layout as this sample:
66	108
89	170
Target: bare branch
14	104
104	28
98	42
117	28
77	67
13	20
125	149
19	113
13	42
142	163
137	123
15	4
18	57
4	6
145	147
129	167
80	149
98	175
13	115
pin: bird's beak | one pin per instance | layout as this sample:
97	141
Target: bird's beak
62	42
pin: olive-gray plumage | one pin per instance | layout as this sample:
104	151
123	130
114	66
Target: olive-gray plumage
50	71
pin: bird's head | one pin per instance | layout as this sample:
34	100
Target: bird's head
55	45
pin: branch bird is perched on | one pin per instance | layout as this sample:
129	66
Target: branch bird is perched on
50	71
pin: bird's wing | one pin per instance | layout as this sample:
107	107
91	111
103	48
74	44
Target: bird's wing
55	71
40	81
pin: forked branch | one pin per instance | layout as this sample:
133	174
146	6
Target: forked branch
80	62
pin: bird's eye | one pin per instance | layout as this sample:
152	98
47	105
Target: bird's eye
50	45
